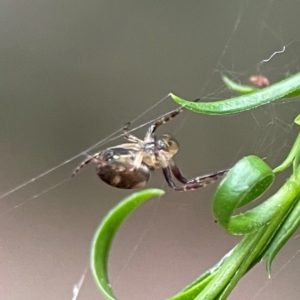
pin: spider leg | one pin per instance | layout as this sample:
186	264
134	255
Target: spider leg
192	184
129	146
176	172
169	178
137	160
84	163
164	120
208	178
129	137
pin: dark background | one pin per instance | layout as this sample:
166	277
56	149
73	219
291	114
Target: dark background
72	73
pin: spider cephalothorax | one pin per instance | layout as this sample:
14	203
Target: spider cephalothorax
128	166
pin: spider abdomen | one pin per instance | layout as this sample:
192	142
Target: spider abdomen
115	166
123	177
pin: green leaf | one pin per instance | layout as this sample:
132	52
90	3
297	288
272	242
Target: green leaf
293	94
294	154
106	232
239	88
195	288
244	183
288	226
246	89
245	102
233	268
297	120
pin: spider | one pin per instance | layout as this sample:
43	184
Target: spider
129	165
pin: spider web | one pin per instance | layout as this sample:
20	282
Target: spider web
272	135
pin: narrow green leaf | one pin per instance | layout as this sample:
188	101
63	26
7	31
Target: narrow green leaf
225	276
245	102
192	290
239	88
244	183
106	232
297	120
288	226
247	89
294	154
293	94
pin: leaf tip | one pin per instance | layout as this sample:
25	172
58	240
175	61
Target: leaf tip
268	267
297	120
